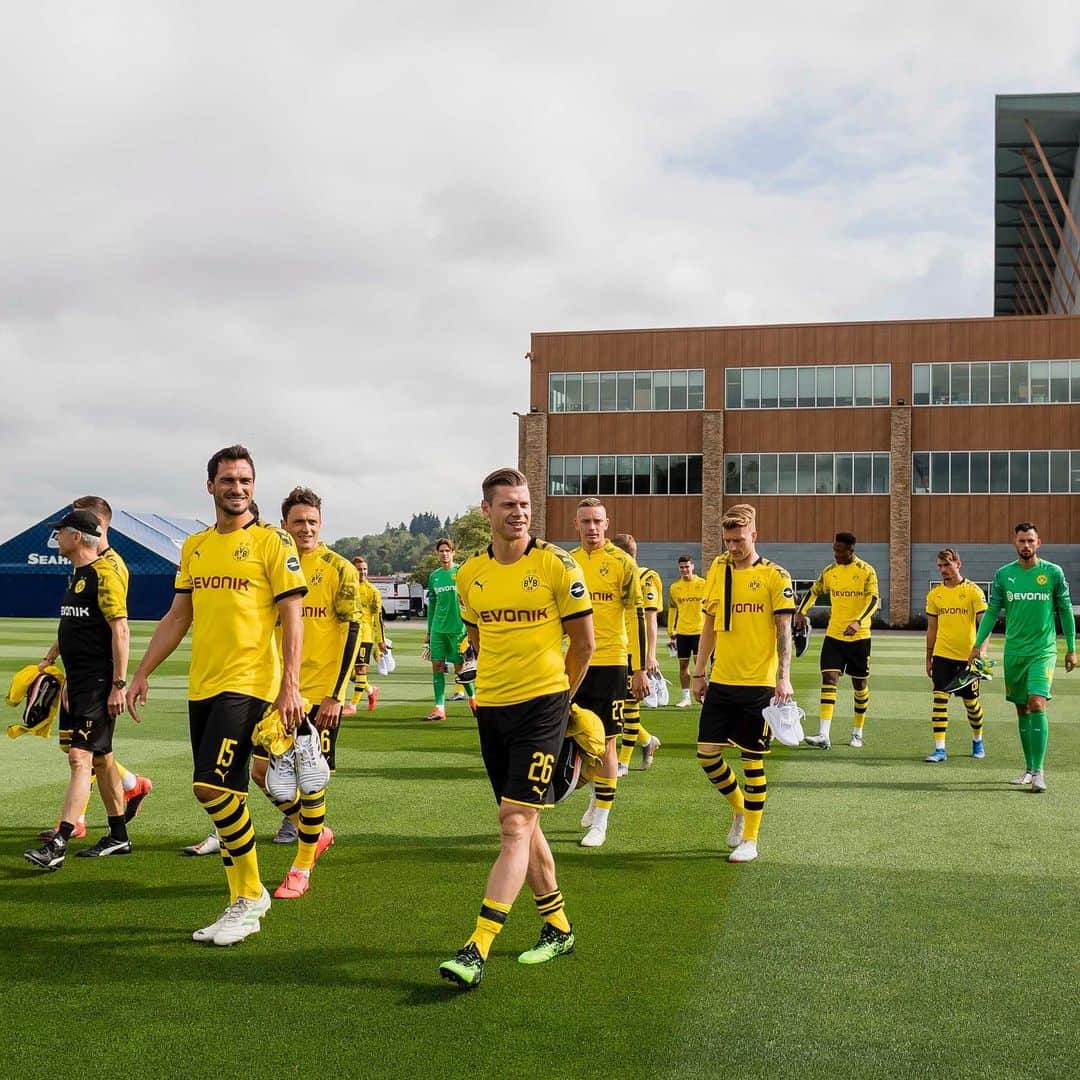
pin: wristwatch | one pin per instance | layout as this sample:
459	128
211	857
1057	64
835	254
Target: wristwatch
119	683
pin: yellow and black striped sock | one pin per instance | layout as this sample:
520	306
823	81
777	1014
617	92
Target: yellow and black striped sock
939	718
230	816
604	787
360	678
975	717
722	778
312	816
230	874
630	729
754	774
290	808
553	910
826	708
643	735
489	922
862	703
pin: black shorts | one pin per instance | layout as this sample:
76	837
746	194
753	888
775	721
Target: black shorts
943	671
327	742
731	716
851	658
363	654
686	645
602	691
86	724
520	744
221	728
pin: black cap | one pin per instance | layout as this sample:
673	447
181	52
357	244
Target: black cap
82	520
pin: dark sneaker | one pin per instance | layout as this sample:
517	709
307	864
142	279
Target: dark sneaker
107	845
466	969
551	943
287	832
50	856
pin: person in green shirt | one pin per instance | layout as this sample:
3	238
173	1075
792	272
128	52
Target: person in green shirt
446	631
1029	591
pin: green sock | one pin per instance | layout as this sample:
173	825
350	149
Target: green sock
470	689
1038	734
1024	723
438	679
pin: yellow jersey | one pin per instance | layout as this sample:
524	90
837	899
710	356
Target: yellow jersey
518	611
685	595
118	565
957	609
369	600
853	594
612	579
331	624
236	580
743	605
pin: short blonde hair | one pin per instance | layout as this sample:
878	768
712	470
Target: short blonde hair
741	515
627	542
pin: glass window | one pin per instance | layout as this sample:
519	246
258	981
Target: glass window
676	474
939	384
789	380
608	383
823	472
695	388
920	384
1076	382
826	393
1059	380
678	389
625	399
732	478
590	391
960	384
843	474
980	472
862	466
555	475
770	388
881	474
882	380
958	473
661	388
642	474
807	387
751	388
733	388
999	384
999	471
642	390
607	474
785	469
572	475
624	475
1018	470
980	384
750	474
1039	371
845	386
864	385
556	395
693	474
1040	471
1059	470
804	484
767	478
590	475
920	473
1018	382
939	473
1075	468
573	392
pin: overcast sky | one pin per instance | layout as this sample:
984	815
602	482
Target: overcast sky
327	230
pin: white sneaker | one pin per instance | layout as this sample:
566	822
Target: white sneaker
820	742
594	837
312	770
734	836
1023	779
745	852
1038	782
684	703
648	752
856	739
210	846
207	932
281	777
586	818
241	919
622	770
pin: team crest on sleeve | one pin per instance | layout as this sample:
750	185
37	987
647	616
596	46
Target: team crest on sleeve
577	589
531	583
292	563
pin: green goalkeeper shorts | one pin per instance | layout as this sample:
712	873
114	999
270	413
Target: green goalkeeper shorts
444	647
1029	675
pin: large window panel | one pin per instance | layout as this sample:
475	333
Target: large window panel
1059	470
590	475
1076	469
825	388
573	392
789	387
750	474
643	391
920	473
980	383
695	388
624	475
767	476
980	472
845	386
770	388
958	473
920	384
1059	381
608	390
660	474
807	388
939	384
607	474
1076	381
882	387
555	476
1019	393
1018	471
804	484
999	472
1039	480
661	390
881	474
823	473
751	388
590	391
1039	373
678	389
999	384
733	388
625	398
556	392
843	474
864	385
676	474
786	474
642	474
960	384
572	473
693	474
732	475
939	473
863	469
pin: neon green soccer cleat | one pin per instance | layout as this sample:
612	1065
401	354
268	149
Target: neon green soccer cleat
466	969
552	942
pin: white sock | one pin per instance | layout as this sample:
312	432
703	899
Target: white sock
128	781
826	727
600	816
939	744
686	695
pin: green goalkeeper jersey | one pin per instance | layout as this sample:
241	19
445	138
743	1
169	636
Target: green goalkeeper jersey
443	611
1029	598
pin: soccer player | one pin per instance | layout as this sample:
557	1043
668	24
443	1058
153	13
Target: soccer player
93	642
235	581
953	610
136	787
634	732
445	630
1029	591
518	599
749	602
684	622
852	587
371	634
612	579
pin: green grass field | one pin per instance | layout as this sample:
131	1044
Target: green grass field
904	919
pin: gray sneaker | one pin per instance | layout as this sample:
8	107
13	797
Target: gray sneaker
1022	780
821	742
287	833
1038	782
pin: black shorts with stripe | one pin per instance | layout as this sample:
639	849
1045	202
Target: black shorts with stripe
327	742
732	716
86	724
686	645
943	671
520	744
851	658
220	729
602	691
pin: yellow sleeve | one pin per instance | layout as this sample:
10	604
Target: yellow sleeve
979	600
673	611
571	594
714	591
282	565
634	604
347	596
931	603
464	580
111	594
183	581
783	592
653	592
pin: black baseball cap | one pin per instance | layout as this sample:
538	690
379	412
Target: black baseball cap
82	520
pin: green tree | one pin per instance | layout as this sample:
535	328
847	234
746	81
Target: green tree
471	532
